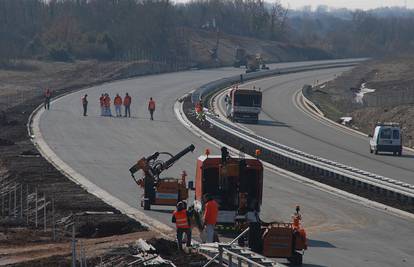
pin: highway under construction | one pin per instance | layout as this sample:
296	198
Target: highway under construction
343	229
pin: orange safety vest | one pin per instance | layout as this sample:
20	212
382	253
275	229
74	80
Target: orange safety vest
151	105
181	219
107	102
127	101
118	101
296	221
198	107
211	212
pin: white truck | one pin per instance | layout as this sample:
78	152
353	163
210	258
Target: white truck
386	138
244	105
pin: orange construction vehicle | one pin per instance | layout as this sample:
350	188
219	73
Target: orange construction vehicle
160	191
236	183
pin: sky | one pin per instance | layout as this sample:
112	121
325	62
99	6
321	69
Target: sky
351	4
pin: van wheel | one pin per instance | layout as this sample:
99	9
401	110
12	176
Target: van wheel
147	204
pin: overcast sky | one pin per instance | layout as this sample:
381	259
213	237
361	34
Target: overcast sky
352	4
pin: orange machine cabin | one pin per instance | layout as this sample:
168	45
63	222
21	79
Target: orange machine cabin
236	184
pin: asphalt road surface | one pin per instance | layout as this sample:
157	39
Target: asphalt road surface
282	121
341	232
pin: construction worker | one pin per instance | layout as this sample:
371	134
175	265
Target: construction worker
48	95
101	103
181	218
151	108
210	216
296	218
118	104
85	105
107	105
127	105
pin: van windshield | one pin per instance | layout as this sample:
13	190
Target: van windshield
395	134
385	133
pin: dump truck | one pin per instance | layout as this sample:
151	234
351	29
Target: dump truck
245	105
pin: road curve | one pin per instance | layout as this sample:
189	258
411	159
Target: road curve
342	233
284	122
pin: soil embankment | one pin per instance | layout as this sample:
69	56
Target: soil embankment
375	91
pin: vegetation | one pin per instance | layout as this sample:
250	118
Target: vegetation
64	30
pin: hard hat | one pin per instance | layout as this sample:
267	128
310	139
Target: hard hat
180	205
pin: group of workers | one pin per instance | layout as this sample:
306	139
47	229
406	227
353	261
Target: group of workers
105	104
182	219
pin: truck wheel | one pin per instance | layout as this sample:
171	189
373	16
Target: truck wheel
296	258
147	204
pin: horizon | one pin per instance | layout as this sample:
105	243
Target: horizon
348	4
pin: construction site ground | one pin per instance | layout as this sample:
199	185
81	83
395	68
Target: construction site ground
102	228
387	76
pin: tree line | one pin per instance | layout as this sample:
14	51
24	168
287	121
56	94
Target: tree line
156	29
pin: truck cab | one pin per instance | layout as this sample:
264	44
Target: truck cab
386	138
246	105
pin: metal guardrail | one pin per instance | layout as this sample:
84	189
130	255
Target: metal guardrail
224	82
373	182
328	167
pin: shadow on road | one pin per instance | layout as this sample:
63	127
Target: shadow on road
319	244
272	123
408	156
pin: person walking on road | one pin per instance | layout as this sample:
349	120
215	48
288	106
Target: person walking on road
127	105
85	105
101	103
210	216
48	95
107	105
118	104
181	218
151	108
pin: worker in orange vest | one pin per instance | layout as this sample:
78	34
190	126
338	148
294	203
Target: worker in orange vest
296	218
210	216
107	105
48	96
85	105
127	105
101	103
151	108
181	218
118	104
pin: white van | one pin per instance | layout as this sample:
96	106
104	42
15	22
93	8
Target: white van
386	138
